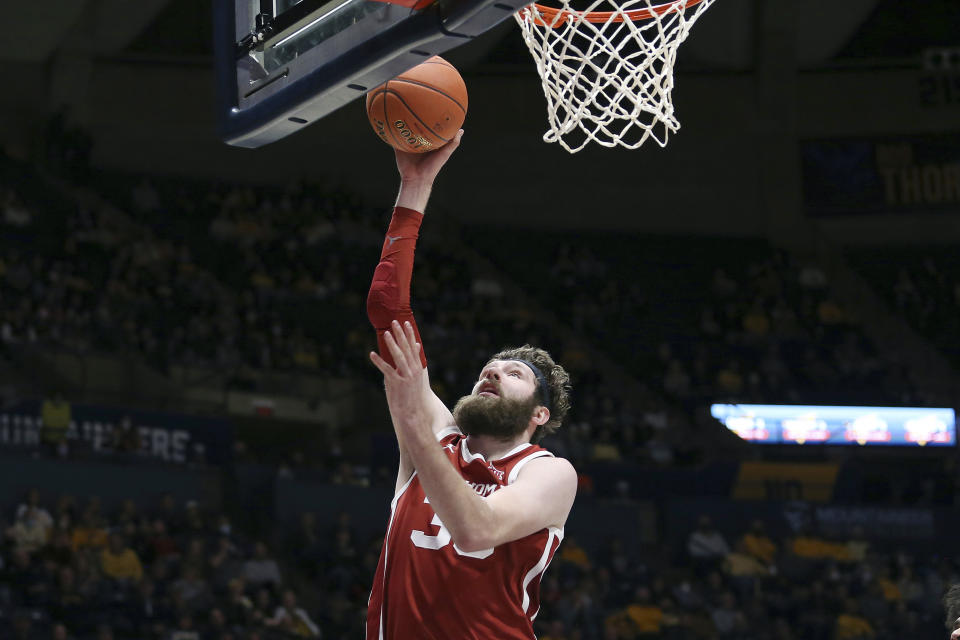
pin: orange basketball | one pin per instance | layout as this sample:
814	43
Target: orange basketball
421	109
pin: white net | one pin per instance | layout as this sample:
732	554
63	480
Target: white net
607	71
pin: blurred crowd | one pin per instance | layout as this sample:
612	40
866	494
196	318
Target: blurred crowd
923	286
774	331
734	319
72	570
751	587
241	280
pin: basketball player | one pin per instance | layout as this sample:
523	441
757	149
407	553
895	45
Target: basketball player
479	509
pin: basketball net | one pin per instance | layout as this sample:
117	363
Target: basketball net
608	75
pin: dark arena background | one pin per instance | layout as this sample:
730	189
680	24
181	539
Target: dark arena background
193	444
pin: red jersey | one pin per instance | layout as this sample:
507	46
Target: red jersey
426	588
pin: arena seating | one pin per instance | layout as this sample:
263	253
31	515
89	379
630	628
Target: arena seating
922	285
158	570
223	276
710	318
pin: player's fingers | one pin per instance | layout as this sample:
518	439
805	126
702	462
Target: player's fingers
398	357
380	363
397	330
402	337
412	340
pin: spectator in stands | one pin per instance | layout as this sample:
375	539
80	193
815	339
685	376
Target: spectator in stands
68	603
238	608
193	521
262	606
646	616
573	554
557	631
706	545
872	603
292	619
33	500
120	563
185	630
727	619
604	448
307	543
723	285
806	544
262	569
147	611
55	412
192	590
125	438
196	556
216	625
66	513
891	592
346	474
758	544
168	513
23	627
225	563
59	632
127	514
851	625
908	585
90	532
28	533
160	543
744	569
676	381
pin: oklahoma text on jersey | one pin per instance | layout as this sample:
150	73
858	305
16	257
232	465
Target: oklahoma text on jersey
426	588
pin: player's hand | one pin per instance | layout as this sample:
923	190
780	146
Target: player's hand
407	384
424	167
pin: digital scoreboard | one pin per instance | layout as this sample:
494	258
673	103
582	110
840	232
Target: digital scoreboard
857	426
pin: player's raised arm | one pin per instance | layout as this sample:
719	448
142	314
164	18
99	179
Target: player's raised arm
389	296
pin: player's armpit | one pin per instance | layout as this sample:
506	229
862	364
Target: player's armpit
540	497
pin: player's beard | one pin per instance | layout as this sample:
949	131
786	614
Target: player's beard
495	416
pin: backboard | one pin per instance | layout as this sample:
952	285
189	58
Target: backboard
284	64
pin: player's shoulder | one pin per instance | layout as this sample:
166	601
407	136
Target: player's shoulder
547	466
550	461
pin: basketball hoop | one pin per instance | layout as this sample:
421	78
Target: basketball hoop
608	75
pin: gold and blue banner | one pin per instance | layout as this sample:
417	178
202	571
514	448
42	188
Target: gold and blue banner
164	436
857	176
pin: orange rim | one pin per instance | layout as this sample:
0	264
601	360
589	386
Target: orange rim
552	16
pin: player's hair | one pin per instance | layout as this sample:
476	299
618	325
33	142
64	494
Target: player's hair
951	603
558	385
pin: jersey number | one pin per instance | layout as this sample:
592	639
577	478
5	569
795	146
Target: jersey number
442	539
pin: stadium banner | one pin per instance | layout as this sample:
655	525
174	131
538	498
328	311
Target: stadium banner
884	175
847	521
913	527
813	482
170	437
837	425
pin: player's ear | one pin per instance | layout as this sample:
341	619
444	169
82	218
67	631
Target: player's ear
541	415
